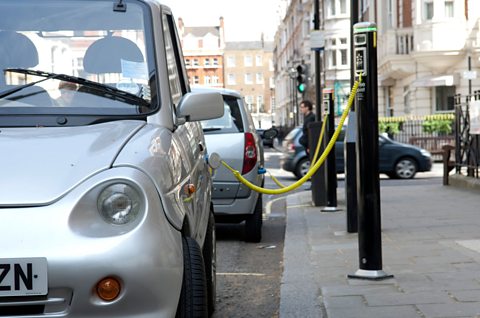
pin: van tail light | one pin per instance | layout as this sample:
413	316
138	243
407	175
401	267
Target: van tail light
249	153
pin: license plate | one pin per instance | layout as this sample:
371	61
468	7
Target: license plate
23	276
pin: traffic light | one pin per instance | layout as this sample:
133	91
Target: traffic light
301	78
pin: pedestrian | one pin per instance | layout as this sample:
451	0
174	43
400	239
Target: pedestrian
306	108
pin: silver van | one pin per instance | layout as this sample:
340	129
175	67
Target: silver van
233	136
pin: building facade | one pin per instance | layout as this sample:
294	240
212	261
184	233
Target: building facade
428	51
203	49
249	70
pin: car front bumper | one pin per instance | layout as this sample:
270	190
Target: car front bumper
146	259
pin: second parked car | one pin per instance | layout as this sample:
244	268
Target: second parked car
397	160
234	138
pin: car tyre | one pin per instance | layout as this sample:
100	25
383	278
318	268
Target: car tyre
405	168
254	222
210	259
193	298
302	168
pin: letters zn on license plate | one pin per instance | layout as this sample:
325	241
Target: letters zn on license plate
23	276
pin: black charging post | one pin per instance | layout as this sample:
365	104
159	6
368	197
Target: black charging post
368	180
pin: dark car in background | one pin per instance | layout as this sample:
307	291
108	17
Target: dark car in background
396	160
267	138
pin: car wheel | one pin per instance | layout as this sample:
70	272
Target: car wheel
253	223
302	168
405	168
210	259
193	298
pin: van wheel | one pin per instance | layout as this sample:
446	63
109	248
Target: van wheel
193	298
210	259
253	223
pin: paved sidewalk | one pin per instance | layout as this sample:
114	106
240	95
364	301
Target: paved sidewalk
431	244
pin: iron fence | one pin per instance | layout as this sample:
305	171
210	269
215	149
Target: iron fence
467	150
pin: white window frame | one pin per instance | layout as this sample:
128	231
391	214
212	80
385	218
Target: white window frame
450	12
231	79
259	78
231	61
247	60
248	79
258	60
428	7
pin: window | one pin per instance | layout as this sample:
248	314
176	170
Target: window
428	10
249	101
231	61
336	7
247	60
230	122
337	53
174	74
214	79
215	61
196	80
260	103
248	78
188	62
195	62
207	62
449	9
258	60
231	80
444	98
259	78
207	80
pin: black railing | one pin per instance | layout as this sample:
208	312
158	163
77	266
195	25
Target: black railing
467	149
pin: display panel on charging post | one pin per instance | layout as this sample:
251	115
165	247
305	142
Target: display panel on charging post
368	180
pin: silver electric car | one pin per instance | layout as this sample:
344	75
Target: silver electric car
105	189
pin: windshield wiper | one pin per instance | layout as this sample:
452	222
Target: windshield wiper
13	90
211	129
102	89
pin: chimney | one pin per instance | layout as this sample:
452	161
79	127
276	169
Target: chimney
222	33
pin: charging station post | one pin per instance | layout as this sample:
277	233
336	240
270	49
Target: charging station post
368	186
331	167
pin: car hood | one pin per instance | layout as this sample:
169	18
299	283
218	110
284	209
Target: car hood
39	165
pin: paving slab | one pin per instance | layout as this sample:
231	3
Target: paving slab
430	243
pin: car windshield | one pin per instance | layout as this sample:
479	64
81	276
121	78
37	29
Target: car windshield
75	57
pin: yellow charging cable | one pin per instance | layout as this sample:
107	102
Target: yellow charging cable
313	168
317	150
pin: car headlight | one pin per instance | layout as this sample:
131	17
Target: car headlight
119	204
425	153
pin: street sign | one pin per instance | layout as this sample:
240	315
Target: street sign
317	40
469	75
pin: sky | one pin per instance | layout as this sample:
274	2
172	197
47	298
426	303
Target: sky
244	20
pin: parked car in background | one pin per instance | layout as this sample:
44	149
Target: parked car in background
397	160
235	139
105	198
267	138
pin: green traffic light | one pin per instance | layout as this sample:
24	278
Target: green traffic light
301	87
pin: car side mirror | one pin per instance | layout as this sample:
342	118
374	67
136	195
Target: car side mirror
200	106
